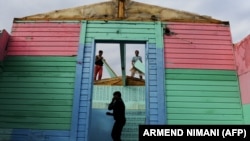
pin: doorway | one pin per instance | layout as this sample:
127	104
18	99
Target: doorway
133	94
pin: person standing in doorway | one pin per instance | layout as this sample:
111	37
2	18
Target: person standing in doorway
98	66
118	107
134	69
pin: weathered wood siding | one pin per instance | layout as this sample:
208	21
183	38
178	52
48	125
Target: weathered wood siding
36	93
4	37
151	34
36	97
242	57
200	46
44	38
201	78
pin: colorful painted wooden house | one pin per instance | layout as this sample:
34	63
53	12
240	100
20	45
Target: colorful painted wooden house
47	92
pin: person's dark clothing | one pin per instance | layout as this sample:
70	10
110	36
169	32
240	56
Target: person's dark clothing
118	108
99	62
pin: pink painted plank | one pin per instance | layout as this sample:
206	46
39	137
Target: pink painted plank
242	55
242	59
46	34
48	38
47	48
199	56
198	41
42	53
34	44
41	39
4	36
198	45
45	29
46	24
244	87
198	51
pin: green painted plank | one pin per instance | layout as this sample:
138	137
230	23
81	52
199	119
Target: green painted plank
36	90
202	99
39	74
246	112
138	25
202	88
38	58
184	110
203	117
159	35
83	32
36	79
35	102
38	68
64	85
206	122
200	71
40	126
204	105
202	93
51	96
201	82
54	114
35	120
201	77
35	108
41	64
114	36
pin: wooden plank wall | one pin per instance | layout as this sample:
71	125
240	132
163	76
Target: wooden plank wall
49	38
37	85
4	37
118	31
242	57
201	78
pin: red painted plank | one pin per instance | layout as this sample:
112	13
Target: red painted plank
198	51
26	48
198	45
46	24
32	44
199	56
244	88
198	41
41	39
45	53
242	57
200	37
46	34
204	32
45	29
4	36
48	38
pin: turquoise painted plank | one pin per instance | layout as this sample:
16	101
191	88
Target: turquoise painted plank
122	30
35	108
202	88
246	113
203	93
36	79
47	102
64	85
204	105
40	126
202	99
37	96
206	122
38	68
36	90
39	74
203	117
54	114
200	71
201	82
222	111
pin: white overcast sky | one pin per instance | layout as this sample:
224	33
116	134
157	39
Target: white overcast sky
237	12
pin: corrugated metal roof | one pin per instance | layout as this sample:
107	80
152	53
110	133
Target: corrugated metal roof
134	11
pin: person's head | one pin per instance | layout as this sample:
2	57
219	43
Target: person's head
117	94
136	52
100	52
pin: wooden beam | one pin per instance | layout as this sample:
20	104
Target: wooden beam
121	8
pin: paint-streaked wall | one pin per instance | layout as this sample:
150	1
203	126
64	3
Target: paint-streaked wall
44	39
4	37
242	57
201	78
